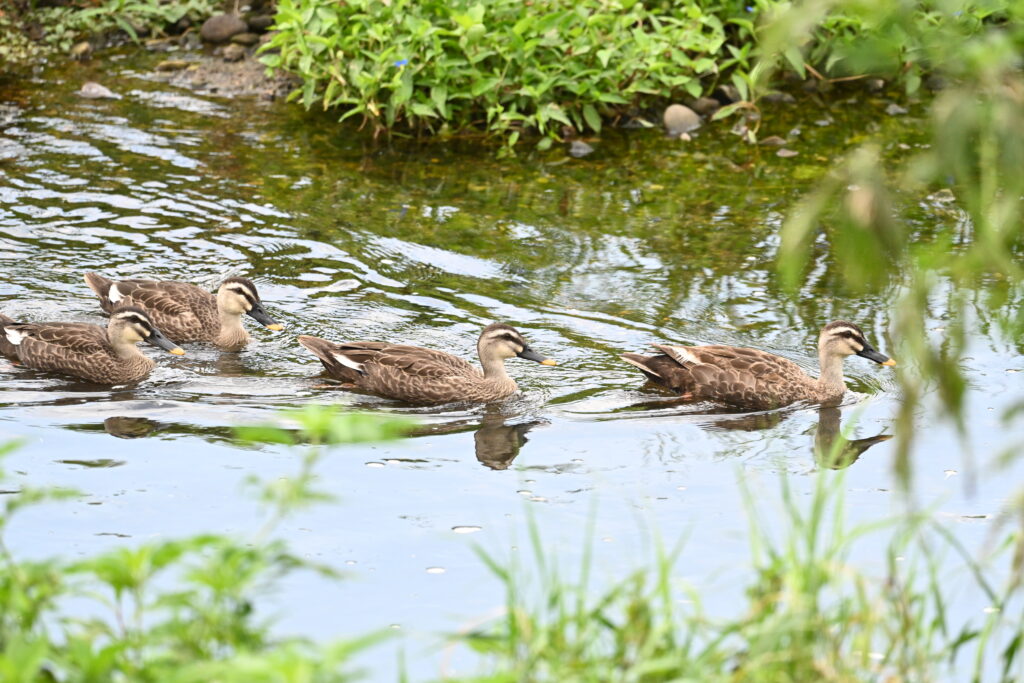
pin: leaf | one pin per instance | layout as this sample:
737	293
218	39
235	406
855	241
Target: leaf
592	118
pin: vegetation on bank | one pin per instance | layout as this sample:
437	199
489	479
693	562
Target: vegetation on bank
568	67
32	31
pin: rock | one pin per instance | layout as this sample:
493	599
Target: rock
895	110
706	106
172	65
245	38
81	50
935	82
779	98
260	22
680	119
727	94
233	53
220	27
580	149
874	84
773	141
786	153
95	91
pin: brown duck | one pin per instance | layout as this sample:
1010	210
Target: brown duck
758	380
103	356
186	312
418	375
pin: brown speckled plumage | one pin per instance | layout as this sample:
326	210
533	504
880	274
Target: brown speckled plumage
187	313
101	355
419	375
758	380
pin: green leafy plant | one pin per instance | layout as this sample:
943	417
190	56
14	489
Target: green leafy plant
809	613
442	66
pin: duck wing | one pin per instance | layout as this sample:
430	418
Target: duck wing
180	310
737	376
64	347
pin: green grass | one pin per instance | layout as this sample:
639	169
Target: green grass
810	614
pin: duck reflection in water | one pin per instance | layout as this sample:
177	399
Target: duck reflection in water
497	444
831	448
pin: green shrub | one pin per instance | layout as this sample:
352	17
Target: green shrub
504	66
62	27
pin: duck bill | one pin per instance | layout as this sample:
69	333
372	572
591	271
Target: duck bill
258	313
530	354
157	339
871	354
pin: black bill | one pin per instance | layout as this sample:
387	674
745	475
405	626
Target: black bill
263	318
871	354
530	354
157	338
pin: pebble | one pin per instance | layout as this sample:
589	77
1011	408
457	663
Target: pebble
874	84
233	52
172	65
680	119
895	110
779	98
580	149
81	50
706	106
95	91
220	27
786	153
245	38
260	23
773	141
728	93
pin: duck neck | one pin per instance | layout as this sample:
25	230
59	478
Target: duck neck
123	348
831	379
232	333
494	368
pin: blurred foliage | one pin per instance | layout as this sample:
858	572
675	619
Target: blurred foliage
178	610
29	34
974	160
809	614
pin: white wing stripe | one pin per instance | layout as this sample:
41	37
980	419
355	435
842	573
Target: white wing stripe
114	295
348	362
14	336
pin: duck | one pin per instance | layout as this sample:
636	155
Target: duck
188	313
755	379
96	354
417	375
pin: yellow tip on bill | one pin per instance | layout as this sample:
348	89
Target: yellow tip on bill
548	361
177	351
889	362
276	327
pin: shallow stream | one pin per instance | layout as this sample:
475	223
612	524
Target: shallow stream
646	240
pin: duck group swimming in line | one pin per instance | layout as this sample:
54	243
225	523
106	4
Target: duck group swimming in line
157	312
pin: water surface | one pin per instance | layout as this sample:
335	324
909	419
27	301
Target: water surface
647	240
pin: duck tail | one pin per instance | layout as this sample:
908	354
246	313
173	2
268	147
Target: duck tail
333	357
7	346
640	362
101	286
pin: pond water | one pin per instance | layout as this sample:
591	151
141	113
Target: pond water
646	240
